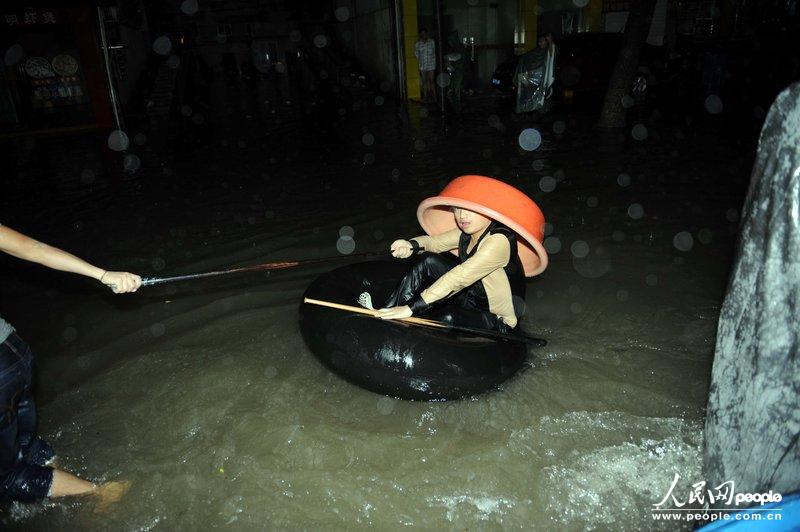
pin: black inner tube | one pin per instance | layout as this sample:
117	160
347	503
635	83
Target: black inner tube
392	358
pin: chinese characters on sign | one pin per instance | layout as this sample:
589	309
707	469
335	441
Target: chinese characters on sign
30	17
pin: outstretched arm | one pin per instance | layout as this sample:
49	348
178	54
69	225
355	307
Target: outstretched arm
402	249
23	247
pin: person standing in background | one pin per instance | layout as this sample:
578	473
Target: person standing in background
425	52
455	62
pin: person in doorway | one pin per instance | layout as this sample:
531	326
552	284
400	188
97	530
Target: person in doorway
535	76
28	469
456	65
425	52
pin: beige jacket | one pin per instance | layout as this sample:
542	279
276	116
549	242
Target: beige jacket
486	265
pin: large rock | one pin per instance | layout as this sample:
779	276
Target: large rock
753	418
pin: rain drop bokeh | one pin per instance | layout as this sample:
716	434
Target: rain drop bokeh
579	249
635	211
639	132
713	104
118	140
162	45
189	7
131	162
529	139
345	245
552	244
547	184
342	14
683	241
320	41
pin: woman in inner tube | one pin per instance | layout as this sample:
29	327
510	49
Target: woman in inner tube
484	285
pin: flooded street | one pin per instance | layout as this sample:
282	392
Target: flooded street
204	395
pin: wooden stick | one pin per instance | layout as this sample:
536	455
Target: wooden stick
486	333
373	313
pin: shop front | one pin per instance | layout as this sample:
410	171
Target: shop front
52	76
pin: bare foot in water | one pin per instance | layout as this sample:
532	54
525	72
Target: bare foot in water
110	493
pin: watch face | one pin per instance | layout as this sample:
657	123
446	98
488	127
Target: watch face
39	68
65	65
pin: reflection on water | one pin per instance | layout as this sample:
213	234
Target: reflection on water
204	395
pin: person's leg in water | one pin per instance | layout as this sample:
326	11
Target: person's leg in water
24	471
34	449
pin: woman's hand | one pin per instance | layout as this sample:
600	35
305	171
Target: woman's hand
121	282
395	313
402	249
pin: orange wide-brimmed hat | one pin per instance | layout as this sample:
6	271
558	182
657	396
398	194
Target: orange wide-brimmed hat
496	200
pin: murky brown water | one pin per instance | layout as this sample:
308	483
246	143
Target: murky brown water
205	397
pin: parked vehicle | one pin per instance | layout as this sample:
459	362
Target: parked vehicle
584	63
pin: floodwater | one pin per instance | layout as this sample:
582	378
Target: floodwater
205	397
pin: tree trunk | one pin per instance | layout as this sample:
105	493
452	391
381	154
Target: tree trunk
636	29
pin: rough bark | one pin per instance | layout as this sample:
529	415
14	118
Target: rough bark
753	417
636	29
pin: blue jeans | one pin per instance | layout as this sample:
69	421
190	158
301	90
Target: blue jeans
23	473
